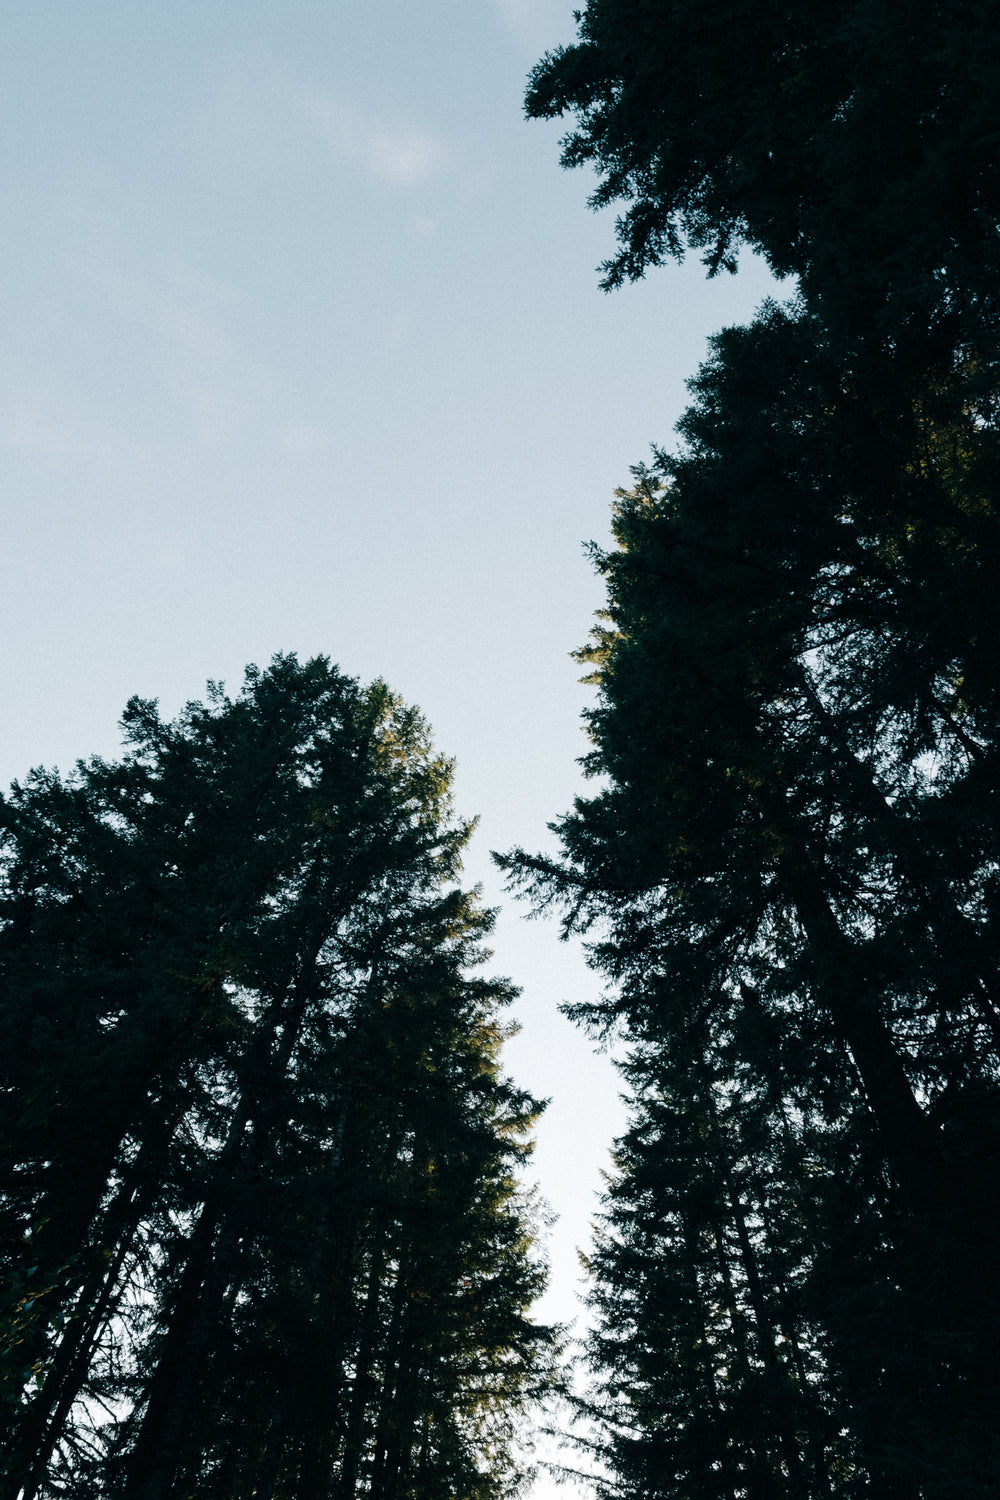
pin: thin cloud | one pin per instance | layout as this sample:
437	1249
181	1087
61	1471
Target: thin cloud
47	429
398	154
33	427
159	289
302	439
536	24
156	313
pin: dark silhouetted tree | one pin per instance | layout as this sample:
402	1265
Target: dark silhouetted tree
796	848
260	1207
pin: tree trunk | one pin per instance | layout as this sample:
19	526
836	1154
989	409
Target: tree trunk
910	1141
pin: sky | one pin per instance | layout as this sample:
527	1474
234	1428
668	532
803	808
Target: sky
303	350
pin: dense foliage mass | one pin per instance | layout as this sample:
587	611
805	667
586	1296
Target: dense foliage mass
791	867
853	144
260	1225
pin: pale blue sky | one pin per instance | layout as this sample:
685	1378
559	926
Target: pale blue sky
303	350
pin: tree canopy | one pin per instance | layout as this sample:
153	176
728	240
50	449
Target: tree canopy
788	870
790	873
853	144
261	1215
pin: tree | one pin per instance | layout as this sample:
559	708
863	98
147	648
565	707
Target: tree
253	1071
852	144
792	864
714	1374
795	846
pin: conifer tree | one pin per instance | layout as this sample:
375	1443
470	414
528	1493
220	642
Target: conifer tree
783	848
262	1225
792	862
853	145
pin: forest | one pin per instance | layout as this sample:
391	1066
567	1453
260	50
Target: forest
263	1223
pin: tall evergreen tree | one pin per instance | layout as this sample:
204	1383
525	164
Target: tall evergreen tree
798	818
793	859
853	144
715	1376
260	1212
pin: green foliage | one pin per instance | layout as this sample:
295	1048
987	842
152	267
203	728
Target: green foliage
853	144
789	873
258	1144
789	876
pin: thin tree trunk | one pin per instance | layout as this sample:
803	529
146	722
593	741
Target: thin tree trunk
910	1141
918	868
274	1448
174	1386
722	1422
363	1387
44	1419
66	1377
387	1406
760	1480
765	1331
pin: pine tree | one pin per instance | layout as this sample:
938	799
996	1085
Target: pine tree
793	858
261	1214
797	828
854	145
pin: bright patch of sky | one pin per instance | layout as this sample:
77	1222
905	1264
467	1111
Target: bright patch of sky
304	351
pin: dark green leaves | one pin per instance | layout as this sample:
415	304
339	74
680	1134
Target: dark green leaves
258	1145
